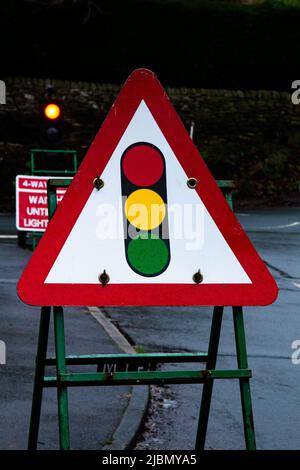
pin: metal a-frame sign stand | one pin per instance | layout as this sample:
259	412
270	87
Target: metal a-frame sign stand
64	379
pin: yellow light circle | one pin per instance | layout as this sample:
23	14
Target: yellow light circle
52	111
145	209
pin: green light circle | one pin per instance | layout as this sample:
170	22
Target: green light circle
148	254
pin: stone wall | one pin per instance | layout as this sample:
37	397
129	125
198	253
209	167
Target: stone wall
252	137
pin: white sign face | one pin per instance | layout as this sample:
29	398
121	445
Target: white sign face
194	238
143	222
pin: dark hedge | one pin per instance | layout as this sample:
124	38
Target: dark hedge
206	44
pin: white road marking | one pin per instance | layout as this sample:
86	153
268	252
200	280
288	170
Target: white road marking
111	330
293	224
8	281
8	236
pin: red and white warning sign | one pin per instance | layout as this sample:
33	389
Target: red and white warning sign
144	222
32	202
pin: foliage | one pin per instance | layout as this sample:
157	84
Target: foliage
194	43
269	176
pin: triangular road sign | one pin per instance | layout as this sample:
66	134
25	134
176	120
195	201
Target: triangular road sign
158	232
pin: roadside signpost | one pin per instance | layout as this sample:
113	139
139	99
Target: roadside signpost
32	202
30	210
143	223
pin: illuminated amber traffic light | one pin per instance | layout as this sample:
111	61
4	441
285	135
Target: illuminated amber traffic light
52	124
143	177
52	111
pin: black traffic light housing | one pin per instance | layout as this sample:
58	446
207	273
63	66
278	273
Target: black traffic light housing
144	189
51	112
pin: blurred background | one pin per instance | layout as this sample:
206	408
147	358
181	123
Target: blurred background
228	66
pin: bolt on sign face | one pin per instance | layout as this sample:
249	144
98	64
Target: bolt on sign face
144	222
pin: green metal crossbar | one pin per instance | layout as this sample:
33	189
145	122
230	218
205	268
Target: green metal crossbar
111	375
124	359
145	377
46	171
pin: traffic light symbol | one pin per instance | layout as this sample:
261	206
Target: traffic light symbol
144	190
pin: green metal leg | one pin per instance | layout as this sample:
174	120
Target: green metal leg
242	360
62	392
208	386
39	378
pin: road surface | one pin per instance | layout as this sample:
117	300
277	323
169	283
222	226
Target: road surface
270	333
95	413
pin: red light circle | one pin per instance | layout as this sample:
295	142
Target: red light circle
142	164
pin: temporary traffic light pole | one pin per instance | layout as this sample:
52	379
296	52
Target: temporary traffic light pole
129	363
